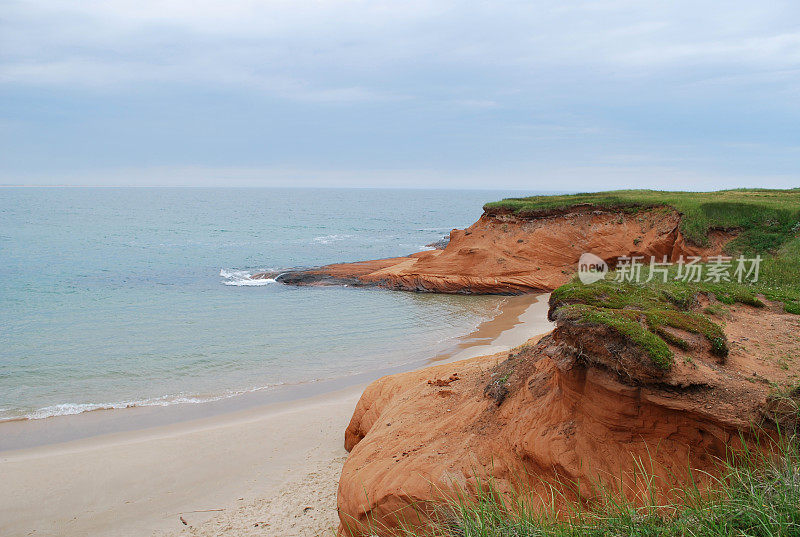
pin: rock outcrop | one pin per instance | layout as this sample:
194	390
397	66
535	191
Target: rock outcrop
556	408
505	254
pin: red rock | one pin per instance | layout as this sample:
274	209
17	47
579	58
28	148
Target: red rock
564	416
505	254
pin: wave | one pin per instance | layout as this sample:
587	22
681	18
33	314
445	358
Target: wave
327	239
71	409
243	278
418	247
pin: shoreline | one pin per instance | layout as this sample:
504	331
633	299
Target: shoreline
26	433
218	471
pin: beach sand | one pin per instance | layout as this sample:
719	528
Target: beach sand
270	470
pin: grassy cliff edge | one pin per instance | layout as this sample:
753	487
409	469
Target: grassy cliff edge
766	218
766	223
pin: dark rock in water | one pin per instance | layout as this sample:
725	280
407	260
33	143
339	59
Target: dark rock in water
441	244
264	276
316	277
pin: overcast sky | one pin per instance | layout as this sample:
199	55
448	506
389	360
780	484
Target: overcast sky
536	95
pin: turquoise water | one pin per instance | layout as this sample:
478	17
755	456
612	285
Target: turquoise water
111	297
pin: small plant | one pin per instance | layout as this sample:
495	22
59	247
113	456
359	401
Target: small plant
717	310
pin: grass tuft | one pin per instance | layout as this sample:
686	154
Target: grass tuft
625	323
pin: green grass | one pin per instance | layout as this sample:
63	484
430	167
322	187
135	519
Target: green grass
757	494
767	218
642	312
717	310
780	276
625	323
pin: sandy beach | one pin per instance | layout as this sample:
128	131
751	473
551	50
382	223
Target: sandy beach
267	470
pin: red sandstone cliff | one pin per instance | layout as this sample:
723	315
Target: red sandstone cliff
505	254
554	408
580	405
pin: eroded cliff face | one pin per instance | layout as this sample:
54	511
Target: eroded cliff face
505	254
556	407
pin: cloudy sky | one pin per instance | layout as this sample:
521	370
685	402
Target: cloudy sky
515	94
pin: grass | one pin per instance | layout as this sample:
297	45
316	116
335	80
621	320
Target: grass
717	310
642	313
766	218
625	323
780	276
757	494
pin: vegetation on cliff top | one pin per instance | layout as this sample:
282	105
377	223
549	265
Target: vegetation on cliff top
757	493
643	313
766	218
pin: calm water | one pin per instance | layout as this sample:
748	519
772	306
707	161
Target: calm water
112	297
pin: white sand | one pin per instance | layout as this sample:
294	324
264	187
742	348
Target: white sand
268	471
136	483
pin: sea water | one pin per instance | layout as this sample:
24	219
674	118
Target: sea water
117	297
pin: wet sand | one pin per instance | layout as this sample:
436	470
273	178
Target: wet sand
270	469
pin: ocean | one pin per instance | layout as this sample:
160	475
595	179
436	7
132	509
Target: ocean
118	297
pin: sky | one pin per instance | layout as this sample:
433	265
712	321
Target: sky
533	95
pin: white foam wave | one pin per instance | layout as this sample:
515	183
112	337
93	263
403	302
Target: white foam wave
242	278
327	239
70	409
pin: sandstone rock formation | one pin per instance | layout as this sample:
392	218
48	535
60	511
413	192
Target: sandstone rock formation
555	408
505	254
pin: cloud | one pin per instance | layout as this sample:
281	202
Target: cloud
110	75
779	51
319	44
557	178
429	84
